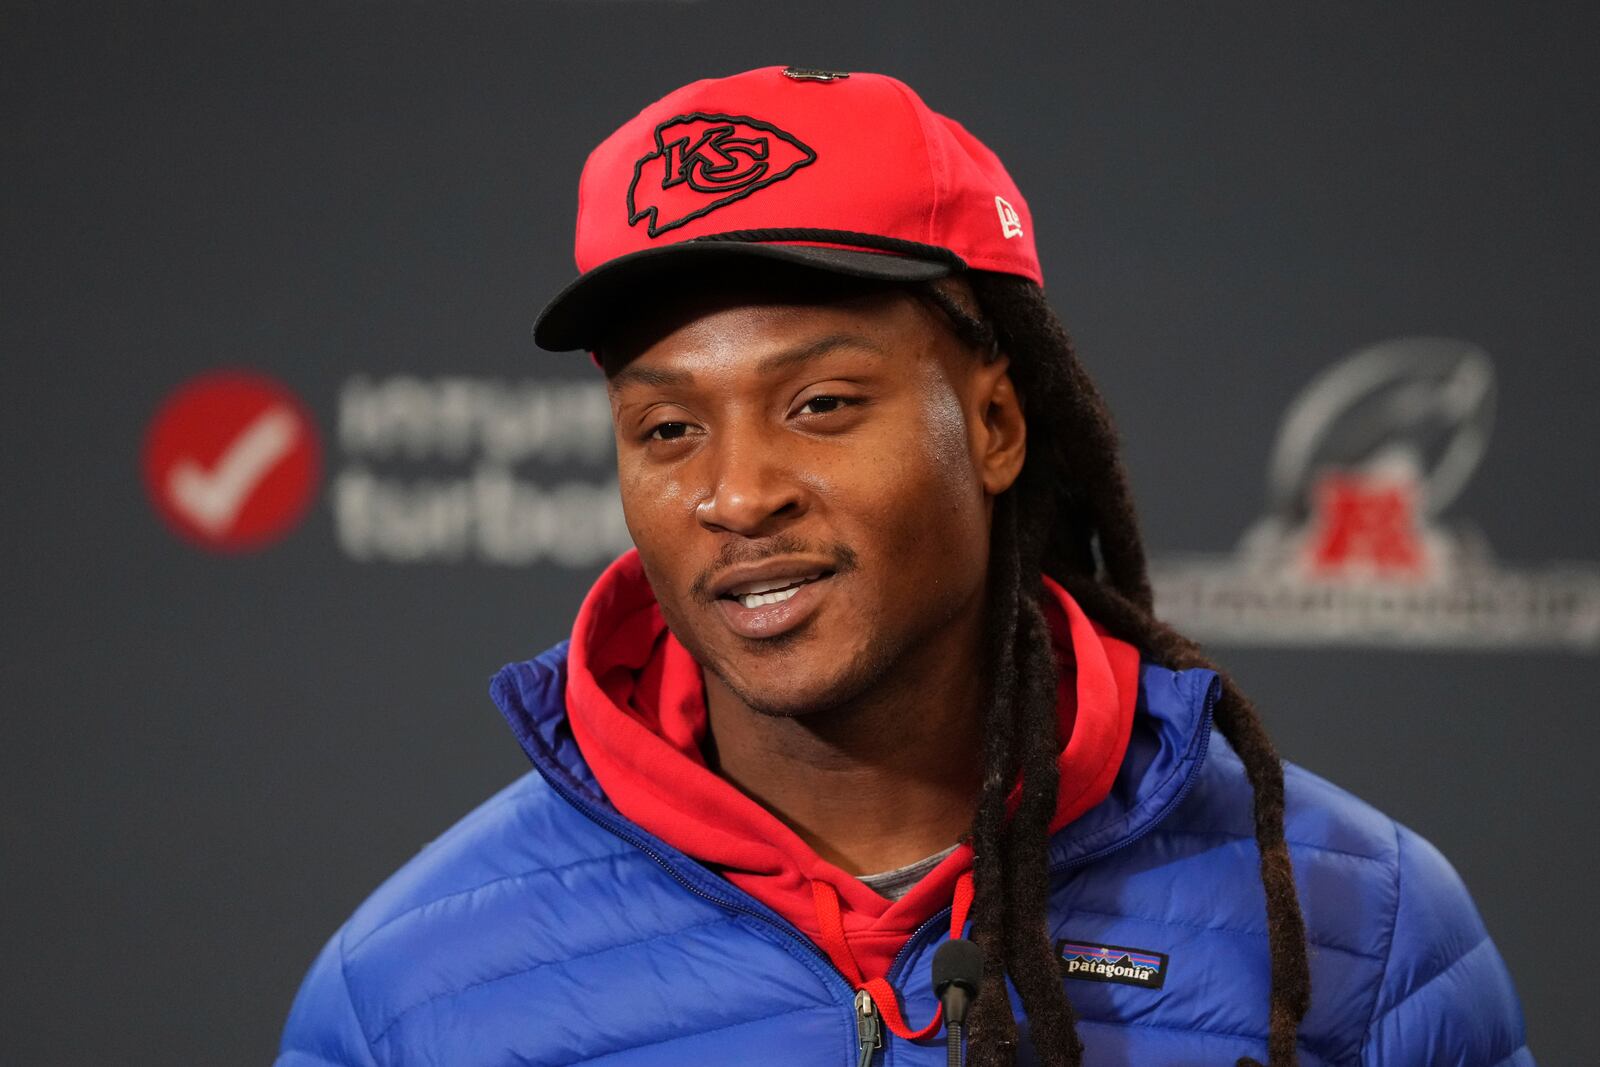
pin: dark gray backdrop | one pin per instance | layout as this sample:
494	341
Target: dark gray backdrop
209	761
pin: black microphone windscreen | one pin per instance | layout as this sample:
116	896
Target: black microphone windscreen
957	962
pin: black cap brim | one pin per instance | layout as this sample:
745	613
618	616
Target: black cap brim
573	320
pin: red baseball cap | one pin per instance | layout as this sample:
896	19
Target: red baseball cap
849	173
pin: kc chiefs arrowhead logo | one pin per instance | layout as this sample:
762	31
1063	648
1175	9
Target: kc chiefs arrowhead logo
703	162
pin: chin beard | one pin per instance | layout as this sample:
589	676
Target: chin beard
862	675
865	671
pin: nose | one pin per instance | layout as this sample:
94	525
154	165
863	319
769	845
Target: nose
753	491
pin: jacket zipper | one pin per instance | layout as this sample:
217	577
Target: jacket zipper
869	1028
869	1031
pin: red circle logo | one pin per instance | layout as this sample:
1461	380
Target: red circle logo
232	461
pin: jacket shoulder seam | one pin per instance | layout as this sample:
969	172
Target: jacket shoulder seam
1477	946
350	1000
1388	948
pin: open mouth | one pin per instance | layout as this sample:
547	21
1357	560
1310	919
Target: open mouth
759	594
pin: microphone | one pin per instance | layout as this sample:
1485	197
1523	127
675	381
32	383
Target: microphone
957	971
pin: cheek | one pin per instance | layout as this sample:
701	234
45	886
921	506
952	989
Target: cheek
924	499
954	512
947	446
652	502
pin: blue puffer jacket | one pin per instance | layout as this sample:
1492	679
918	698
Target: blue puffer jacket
546	929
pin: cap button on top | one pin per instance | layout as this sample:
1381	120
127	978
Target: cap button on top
814	74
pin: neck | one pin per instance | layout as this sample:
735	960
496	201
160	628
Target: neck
881	781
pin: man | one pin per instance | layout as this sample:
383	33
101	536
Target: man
881	674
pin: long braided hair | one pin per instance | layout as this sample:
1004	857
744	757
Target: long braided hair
1070	515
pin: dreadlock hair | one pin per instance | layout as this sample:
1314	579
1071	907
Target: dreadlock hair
1070	515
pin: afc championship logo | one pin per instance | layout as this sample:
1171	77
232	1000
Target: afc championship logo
702	162
1358	546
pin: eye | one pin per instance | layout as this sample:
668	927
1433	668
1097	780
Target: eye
668	431
821	405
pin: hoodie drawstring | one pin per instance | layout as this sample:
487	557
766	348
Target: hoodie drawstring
833	942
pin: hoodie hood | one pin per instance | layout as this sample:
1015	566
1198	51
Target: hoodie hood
636	703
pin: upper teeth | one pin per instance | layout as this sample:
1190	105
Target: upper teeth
755	600
766	587
769	590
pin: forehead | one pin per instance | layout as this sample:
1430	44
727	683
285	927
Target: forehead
736	320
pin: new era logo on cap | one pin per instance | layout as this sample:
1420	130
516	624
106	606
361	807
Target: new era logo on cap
1010	223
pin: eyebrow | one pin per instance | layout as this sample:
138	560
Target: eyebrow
633	374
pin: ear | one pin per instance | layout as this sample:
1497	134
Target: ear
998	428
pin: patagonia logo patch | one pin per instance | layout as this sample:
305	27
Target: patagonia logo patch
1112	963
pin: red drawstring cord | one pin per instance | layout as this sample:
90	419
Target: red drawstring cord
882	993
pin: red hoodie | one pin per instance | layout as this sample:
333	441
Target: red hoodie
636	699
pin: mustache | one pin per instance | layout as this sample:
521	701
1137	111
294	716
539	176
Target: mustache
736	552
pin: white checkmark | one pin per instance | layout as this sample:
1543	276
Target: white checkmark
212	498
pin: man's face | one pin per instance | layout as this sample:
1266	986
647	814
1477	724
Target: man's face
809	481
